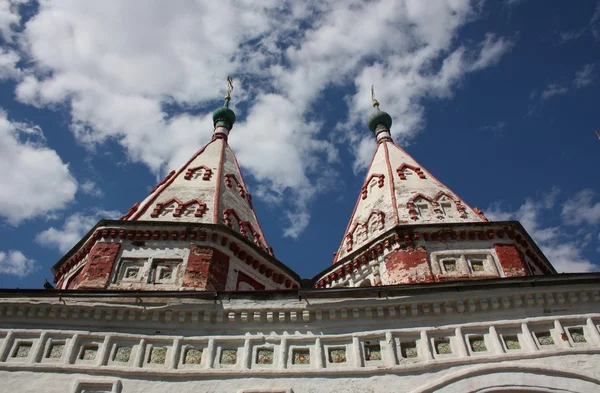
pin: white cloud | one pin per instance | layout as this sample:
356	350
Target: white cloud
34	179
585	76
595	22
581	209
16	264
564	253
118	63
90	188
73	229
553	89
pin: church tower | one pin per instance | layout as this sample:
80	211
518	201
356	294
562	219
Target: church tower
197	230
408	227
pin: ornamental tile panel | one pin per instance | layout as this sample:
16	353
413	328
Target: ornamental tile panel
337	355
122	354
192	356
158	355
264	356
229	356
301	356
477	344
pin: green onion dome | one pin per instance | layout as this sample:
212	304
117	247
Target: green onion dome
379	118
224	115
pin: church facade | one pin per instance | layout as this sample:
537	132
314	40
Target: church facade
184	294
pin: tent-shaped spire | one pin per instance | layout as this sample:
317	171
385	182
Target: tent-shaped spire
208	188
398	191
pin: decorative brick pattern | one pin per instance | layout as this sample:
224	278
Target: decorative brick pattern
301	356
158	355
442	346
372	352
512	342
122	354
56	350
337	355
477	344
264	356
408	350
229	356
192	356
23	349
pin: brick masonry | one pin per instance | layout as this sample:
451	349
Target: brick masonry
96	272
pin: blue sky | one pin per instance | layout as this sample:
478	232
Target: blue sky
100	99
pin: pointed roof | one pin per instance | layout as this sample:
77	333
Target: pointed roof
398	191
209	188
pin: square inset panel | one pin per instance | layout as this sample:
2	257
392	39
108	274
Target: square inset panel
122	354
192	356
449	265
544	338
229	356
264	356
301	356
408	350
56	350
22	349
337	355
442	346
477	344
372	351
511	342
158	355
88	352
477	265
164	271
577	335
130	269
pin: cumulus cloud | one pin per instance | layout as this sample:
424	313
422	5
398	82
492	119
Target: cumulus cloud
129	71
581	209
73	229
16	264
35	181
563	251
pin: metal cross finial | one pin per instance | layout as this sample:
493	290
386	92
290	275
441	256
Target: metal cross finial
375	102
597	133
229	88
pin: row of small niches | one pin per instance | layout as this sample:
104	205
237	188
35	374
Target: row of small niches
155	353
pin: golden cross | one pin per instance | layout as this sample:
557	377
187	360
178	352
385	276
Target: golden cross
375	102
229	88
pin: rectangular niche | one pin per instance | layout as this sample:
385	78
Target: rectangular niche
408	349
336	355
442	346
191	355
544	339
577	335
156	354
511	342
450	265
88	352
54	349
264	356
300	356
122	353
22	350
372	351
476	343
227	357
164	271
